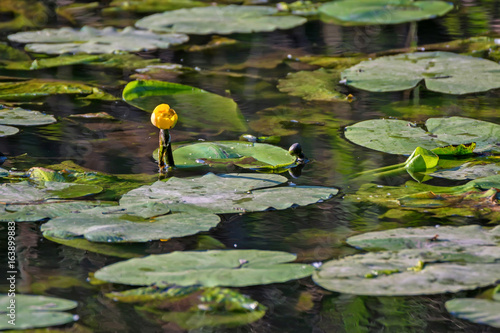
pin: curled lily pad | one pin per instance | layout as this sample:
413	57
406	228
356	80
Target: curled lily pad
481	311
226	153
351	12
197	108
443	72
402	137
320	85
22	117
448	261
235	268
220	20
230	193
32	311
115	224
91	40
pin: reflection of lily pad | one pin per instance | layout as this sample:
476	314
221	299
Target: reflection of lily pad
231	193
318	85
21	117
444	72
401	137
115	225
383	11
220	20
197	108
91	40
235	268
447	261
33	311
481	311
227	153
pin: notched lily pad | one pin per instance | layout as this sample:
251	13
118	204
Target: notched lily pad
320	85
235	268
92	40
402	137
361	12
220	20
33	311
255	156
196	108
450	260
443	72
230	193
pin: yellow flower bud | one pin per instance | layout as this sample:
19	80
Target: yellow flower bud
164	117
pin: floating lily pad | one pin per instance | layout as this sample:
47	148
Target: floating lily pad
234	268
8	130
320	85
481	311
150	6
352	12
469	170
220	20
40	211
196	108
231	193
448	261
401	137
22	117
91	40
32	311
36	88
226	153
120	224
444	72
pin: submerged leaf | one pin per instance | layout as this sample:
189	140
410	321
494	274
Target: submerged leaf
32	311
320	85
443	72
235	268
91	40
219	20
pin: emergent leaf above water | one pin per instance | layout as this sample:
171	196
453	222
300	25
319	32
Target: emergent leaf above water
220	20
231	268
443	72
425	261
402	137
92	40
361	12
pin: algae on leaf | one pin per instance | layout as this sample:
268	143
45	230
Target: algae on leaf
230	268
197	108
92	40
443	72
33	311
361	12
220	20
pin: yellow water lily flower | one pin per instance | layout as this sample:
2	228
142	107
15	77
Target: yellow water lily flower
164	117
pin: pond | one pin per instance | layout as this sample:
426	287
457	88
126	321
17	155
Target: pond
347	92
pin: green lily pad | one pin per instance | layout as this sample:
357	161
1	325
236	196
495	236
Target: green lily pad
22	117
352	12
481	311
226	153
469	170
150	6
32	311
24	192
120	224
448	261
220	20
196	108
40	211
230	193
8	130
443	72
91	40
235	268
36	88
401	137
320	85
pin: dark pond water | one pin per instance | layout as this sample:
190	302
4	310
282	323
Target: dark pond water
315	233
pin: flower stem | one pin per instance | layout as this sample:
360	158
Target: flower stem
165	152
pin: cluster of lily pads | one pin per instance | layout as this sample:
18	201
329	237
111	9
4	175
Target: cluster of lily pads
397	262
